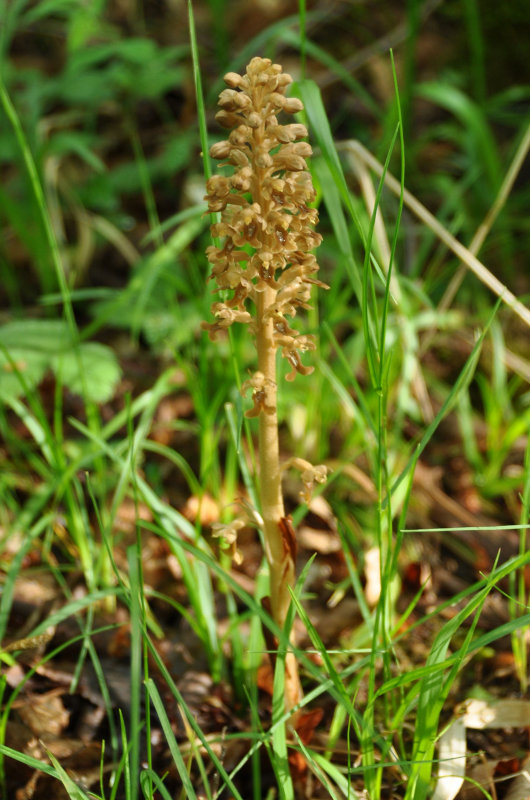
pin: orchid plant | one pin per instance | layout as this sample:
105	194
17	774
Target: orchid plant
267	268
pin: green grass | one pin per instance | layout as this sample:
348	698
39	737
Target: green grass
394	364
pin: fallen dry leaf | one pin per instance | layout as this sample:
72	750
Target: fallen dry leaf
305	726
204	508
519	788
479	775
318	541
452	767
508	713
477	714
44	713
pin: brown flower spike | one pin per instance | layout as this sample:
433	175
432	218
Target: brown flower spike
266	264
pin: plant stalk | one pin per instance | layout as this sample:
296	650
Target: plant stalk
280	549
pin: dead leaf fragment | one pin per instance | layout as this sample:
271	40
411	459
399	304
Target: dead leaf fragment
317	541
372	572
478	714
452	766
204	508
44	714
508	713
479	777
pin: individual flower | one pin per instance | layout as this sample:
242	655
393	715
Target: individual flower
263	394
228	536
309	474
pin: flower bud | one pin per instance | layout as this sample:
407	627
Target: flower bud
238	158
231	100
289	133
292	105
264	161
226	99
302	149
277	100
258	64
220	150
254	119
232	79
284	80
290	162
240	136
227	119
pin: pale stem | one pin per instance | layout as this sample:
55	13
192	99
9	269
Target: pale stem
279	555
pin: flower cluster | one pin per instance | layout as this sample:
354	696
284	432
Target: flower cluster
266	225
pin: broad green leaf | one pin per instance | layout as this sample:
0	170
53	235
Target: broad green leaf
101	371
29	347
